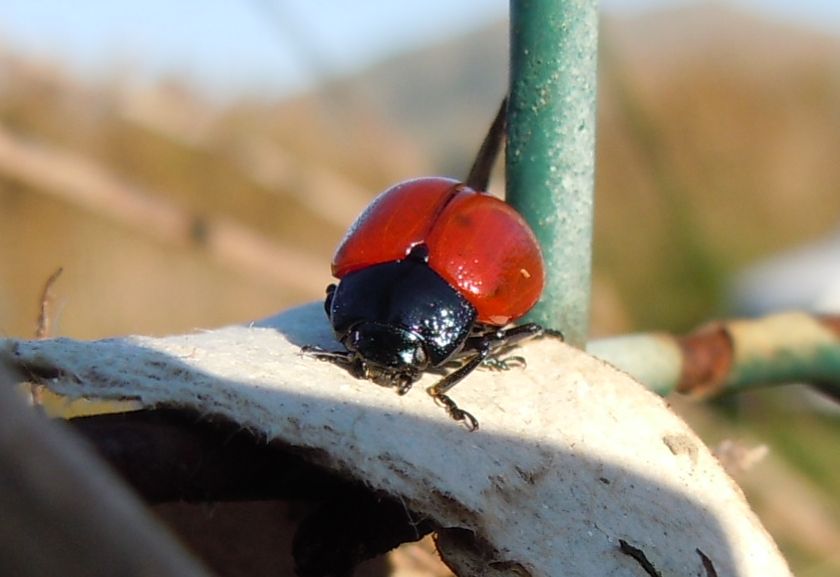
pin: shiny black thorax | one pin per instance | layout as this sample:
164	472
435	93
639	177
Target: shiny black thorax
388	310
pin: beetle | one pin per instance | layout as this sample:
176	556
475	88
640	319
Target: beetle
432	273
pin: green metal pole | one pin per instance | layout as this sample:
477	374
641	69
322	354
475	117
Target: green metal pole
551	148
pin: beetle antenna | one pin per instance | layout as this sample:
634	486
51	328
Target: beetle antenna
479	176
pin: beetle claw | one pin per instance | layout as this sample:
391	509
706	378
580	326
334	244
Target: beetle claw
504	364
454	411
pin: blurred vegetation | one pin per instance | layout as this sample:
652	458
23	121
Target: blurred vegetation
718	139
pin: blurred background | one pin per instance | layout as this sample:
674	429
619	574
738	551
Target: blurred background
194	164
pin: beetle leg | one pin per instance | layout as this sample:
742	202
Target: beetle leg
456	412
508	338
504	364
324	354
344	359
438	391
488	342
456	376
503	338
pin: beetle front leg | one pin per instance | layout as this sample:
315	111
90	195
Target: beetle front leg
489	341
438	391
344	359
500	340
456	412
504	338
324	355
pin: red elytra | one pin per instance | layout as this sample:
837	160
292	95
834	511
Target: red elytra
477	243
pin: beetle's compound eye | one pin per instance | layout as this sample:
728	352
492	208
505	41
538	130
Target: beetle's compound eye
418	356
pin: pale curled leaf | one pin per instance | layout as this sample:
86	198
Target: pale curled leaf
572	456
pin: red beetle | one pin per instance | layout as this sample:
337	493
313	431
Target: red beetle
431	273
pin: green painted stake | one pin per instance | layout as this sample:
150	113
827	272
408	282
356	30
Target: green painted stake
551	148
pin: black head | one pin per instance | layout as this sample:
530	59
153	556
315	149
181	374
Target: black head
386	354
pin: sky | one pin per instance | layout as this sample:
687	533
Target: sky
273	46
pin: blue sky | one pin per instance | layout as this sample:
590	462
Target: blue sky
272	45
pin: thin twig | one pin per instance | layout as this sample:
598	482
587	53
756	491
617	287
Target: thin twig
44	328
479	176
